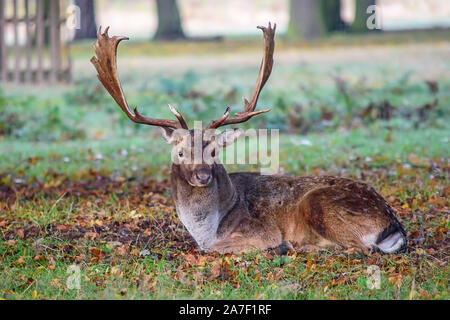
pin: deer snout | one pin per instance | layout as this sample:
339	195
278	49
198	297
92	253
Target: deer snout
203	176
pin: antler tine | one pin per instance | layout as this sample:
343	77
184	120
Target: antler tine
266	65
179	117
105	62
219	122
264	73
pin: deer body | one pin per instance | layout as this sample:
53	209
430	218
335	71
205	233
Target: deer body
244	211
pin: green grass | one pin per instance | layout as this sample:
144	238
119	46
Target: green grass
136	156
168	272
81	185
249	43
251	276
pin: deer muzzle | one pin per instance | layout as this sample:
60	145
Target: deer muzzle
203	176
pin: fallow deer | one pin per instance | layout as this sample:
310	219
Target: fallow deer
243	211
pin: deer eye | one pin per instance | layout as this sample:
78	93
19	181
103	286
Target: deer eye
180	154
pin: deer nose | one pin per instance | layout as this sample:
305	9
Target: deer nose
203	176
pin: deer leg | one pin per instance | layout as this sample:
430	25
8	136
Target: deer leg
250	234
239	242
236	244
282	249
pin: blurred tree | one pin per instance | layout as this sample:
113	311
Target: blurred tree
331	11
169	21
46	17
361	15
305	19
88	26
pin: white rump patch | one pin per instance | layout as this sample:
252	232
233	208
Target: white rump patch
392	243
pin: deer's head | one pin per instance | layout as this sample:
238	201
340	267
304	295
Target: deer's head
194	151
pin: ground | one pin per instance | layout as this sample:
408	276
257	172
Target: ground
84	193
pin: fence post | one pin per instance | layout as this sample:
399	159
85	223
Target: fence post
28	66
16	72
33	20
55	36
3	60
39	39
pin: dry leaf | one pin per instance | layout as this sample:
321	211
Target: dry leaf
54	282
21	233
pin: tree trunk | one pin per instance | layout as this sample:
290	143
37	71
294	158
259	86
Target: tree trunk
331	12
305	20
169	22
46	17
88	26
361	15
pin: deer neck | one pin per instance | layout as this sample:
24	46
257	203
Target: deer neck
201	209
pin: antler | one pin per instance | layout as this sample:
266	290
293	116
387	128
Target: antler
106	65
264	73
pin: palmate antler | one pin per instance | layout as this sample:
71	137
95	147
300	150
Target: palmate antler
106	65
264	73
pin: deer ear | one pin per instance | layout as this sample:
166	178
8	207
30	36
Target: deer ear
168	134
173	136
227	137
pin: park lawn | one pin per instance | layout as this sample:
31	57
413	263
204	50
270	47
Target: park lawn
113	217
82	187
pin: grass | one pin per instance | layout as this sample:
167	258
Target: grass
130	156
36	266
82	186
249	43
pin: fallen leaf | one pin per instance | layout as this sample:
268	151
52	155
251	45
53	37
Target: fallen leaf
396	279
424	293
91	235
63	227
122	250
97	253
21	233
214	273
54	282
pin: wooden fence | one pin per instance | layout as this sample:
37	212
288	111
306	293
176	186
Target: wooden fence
32	49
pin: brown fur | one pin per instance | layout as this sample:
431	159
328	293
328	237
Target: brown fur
262	212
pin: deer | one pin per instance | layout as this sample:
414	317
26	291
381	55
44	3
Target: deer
244	211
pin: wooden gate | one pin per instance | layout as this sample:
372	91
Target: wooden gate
32	48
